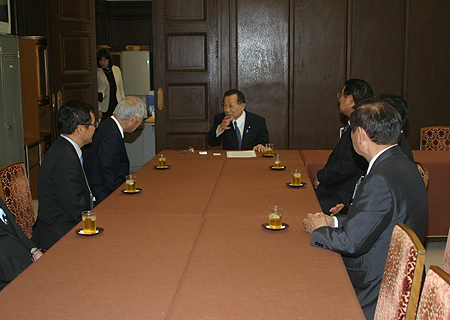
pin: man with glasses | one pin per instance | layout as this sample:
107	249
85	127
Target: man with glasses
335	183
236	128
63	189
106	161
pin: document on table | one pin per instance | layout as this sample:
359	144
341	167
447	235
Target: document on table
241	154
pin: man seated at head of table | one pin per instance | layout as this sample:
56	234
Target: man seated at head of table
17	252
236	128
62	187
402	107
392	191
336	181
106	161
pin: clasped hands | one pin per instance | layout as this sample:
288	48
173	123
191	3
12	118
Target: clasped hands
320	219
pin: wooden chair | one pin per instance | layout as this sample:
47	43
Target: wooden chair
17	195
402	278
435	138
423	172
435	300
446	261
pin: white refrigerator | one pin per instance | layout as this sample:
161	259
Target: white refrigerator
136	73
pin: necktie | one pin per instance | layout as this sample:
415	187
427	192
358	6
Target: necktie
3	216
346	127
238	134
81	160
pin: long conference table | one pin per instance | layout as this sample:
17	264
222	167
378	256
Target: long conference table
190	245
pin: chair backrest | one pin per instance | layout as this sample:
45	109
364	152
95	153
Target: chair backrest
446	261
423	172
402	278
435	138
435	299
14	183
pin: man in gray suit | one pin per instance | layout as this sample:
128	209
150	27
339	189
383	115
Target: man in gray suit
392	191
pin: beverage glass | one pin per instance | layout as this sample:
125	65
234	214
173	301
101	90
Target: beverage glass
131	183
162	160
275	217
89	222
296	177
277	161
269	149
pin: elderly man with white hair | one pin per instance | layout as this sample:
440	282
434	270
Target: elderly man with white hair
106	161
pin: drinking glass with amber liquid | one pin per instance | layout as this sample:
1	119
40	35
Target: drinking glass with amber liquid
162	161
89	222
277	161
275	217
269	149
296	177
131	183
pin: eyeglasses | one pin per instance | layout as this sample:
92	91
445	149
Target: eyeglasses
95	124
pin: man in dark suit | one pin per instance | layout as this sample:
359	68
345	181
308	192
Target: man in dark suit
17	252
236	128
402	107
106	161
63	189
392	191
336	181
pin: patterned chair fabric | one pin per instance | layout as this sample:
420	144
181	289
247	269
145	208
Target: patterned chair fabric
423	172
435	299
17	195
446	261
435	138
400	287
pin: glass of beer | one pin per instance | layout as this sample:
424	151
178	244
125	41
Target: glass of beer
89	222
269	149
277	161
275	217
131	183
296	177
162	161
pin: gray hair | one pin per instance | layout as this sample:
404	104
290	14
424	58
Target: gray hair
130	107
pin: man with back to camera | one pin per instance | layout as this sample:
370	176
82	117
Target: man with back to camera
252	132
63	189
106	161
336	181
392	191
17	252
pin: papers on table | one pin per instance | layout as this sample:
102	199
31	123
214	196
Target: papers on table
241	154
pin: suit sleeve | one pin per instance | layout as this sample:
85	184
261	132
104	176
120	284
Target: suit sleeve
212	133
109	153
344	164
367	218
263	134
70	186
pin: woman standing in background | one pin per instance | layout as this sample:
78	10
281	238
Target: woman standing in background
109	82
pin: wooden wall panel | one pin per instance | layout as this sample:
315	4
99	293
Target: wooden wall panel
187	102
178	48
319	72
262	63
428	67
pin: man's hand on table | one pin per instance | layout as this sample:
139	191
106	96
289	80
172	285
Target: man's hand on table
259	148
317	220
316	183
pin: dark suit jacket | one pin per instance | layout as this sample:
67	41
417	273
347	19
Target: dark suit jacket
63	194
340	174
255	132
106	161
392	192
406	148
15	248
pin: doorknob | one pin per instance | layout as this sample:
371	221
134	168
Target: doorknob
160	99
59	100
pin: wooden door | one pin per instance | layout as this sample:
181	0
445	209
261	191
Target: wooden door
73	53
185	72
